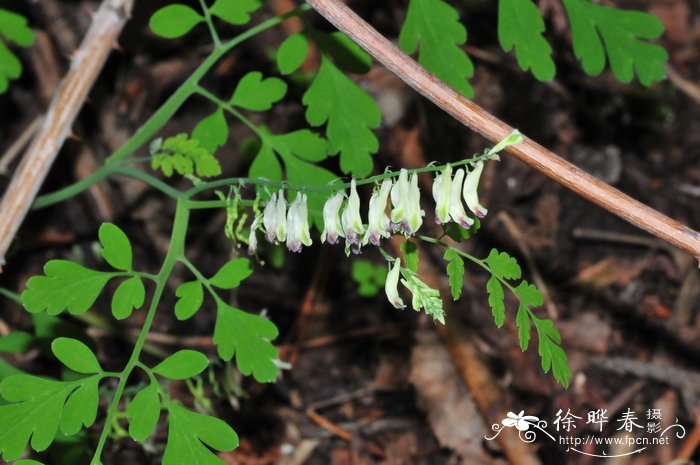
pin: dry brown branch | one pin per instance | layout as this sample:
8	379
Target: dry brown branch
481	121
85	67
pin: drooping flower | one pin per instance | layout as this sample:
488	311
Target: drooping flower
442	190
378	221
391	286
332	228
470	193
275	219
298	224
352	222
457	212
252	237
414	218
399	200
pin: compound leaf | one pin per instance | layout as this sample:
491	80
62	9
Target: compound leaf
36	410
116	248
182	365
212	131
303	143
292	53
248	337
496	300
130	295
174	20
65	285
190	297
432	27
190	433
143	412
455	272
185	155
620	34
529	295
235	11
232	273
81	407
351	115
503	265
258	94
520	26
75	355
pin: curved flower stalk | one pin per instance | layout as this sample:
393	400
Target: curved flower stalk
298	224
352	222
470	191
332	227
379	223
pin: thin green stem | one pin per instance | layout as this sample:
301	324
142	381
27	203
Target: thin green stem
150	180
210	24
229	108
13	296
177	248
201	278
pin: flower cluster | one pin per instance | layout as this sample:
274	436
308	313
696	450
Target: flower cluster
290	226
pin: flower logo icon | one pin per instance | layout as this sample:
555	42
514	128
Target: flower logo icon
520	421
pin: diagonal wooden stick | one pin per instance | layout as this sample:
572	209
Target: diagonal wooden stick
85	66
481	121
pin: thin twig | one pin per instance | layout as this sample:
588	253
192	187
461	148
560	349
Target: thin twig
85	66
481	121
16	148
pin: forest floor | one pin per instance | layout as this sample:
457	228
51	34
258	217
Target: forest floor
369	384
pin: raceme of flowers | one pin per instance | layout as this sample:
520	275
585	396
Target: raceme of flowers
342	218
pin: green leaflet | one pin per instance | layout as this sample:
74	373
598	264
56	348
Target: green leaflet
190	433
185	156
116	248
15	342
258	94
212	131
39	407
599	31
75	355
292	53
455	272
190	297
130	295
232	273
143	412
350	114
410	254
496	300
182	365
235	11
520	26
174	20
503	265
553	356
247	337
13	29
433	29
369	277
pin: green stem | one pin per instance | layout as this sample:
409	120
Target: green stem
210	24
177	248
13	296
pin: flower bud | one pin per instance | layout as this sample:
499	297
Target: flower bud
391	286
470	194
252	237
332	229
378	221
457	212
298	224
442	189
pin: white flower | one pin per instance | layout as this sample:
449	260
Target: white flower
351	221
298	224
521	421
470	194
378	221
391	286
457	212
274	218
442	189
415	214
399	199
252	237
332	229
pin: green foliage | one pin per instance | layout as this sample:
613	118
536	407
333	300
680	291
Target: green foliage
433	29
15	342
410	255
212	131
184	155
130	295
232	273
190	297
182	365
116	248
520	26
350	114
189	435
13	29
455	272
235	11
292	53
75	355
174	20
503	265
496	296
39	407
369	277
143	412
600	30
258	94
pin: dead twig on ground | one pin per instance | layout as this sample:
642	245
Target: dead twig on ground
85	66
481	121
